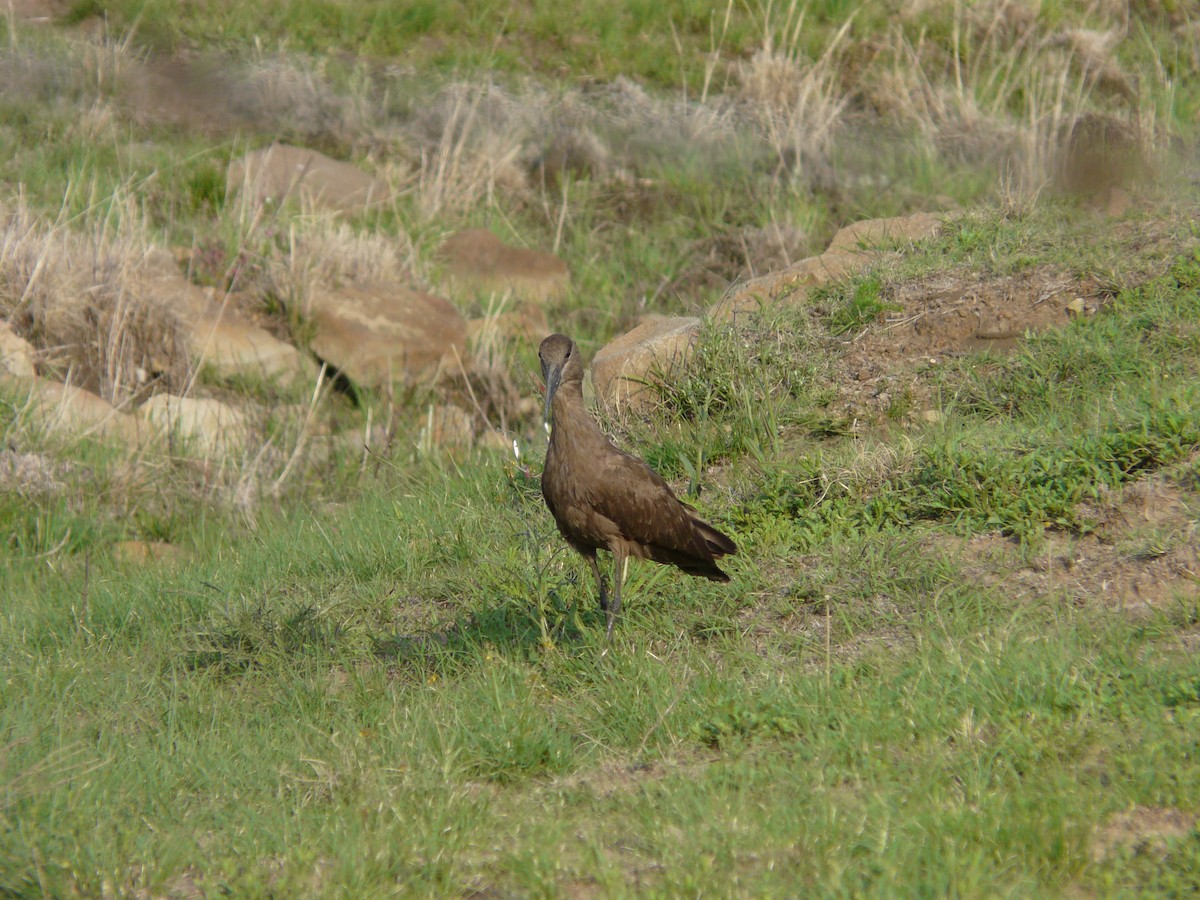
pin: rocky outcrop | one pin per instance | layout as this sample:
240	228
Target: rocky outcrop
853	249
380	333
281	172
622	370
478	262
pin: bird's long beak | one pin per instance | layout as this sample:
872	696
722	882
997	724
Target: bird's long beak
553	377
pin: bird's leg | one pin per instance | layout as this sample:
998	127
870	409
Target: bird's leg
620	566
599	581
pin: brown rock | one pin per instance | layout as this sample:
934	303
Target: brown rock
137	552
16	354
66	408
39	11
477	261
850	251
447	427
217	335
207	426
282	172
791	284
652	350
378	333
873	232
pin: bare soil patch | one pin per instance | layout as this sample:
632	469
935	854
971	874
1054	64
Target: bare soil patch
948	314
1144	553
1144	830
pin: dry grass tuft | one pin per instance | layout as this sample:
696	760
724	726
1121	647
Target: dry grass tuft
796	104
80	300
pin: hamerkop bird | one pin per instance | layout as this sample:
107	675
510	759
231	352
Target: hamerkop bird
604	499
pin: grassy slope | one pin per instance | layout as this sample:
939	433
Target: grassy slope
393	678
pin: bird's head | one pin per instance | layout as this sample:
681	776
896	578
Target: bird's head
560	363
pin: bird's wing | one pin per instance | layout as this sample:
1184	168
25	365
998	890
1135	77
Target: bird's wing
644	507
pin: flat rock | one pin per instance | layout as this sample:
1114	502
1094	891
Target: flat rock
282	172
476	261
791	285
219	336
447	427
208	426
652	350
852	250
65	408
378	333
16	354
874	232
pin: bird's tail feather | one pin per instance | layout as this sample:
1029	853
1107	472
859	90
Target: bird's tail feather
719	544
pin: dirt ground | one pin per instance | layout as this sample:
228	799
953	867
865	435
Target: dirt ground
944	315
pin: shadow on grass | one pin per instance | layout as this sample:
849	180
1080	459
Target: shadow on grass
569	619
266	633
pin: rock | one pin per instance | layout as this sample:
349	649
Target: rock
1098	153
281	172
208	426
16	354
851	250
873	232
379	332
219	336
136	552
69	409
37	11
790	285
652	350
447	427
478	262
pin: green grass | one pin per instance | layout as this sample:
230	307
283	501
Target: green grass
393	678
383	672
257	721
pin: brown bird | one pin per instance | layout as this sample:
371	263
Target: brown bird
605	499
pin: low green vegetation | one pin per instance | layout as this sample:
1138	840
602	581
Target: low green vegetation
958	653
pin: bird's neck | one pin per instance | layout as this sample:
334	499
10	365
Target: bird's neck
570	412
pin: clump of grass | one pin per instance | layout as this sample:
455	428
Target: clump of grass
80	299
855	305
1023	489
739	391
